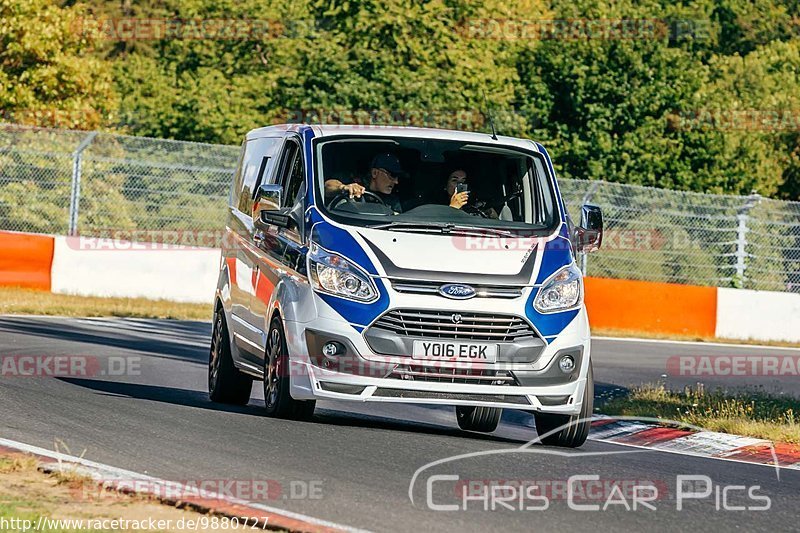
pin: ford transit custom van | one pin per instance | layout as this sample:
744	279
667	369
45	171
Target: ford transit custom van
387	264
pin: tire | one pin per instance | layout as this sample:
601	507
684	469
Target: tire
226	383
575	433
482	419
279	403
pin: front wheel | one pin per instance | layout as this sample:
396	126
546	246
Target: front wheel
483	419
569	431
279	402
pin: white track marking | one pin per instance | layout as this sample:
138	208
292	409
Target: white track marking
106	472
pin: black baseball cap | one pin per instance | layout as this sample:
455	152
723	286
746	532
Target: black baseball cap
389	162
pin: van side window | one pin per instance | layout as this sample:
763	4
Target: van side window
236	188
292	188
261	171
255	168
292	173
249	171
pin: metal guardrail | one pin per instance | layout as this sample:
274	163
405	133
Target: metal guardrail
92	183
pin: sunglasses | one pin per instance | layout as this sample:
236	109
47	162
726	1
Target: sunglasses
391	176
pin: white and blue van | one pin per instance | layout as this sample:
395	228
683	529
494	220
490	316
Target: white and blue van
388	264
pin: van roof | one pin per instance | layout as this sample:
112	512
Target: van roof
326	130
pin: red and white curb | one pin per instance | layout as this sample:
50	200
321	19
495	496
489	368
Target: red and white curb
125	481
696	442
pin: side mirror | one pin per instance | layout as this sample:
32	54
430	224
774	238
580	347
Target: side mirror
589	235
267	210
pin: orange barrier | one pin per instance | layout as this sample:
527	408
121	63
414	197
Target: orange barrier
25	260
651	306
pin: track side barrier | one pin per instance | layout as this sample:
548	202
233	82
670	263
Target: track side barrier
761	315
131	271
647	306
66	265
25	260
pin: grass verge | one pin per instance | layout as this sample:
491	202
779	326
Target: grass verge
26	494
16	301
749	412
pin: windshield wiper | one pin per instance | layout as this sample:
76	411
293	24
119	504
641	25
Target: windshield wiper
446	228
413	227
480	230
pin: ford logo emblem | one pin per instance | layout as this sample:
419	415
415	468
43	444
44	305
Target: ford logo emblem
457	291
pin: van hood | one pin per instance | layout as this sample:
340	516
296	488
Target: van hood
454	258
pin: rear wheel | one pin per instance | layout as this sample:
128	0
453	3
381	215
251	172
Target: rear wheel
226	383
483	419
572	433
279	402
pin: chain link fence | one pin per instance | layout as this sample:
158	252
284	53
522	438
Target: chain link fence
100	184
90	183
684	237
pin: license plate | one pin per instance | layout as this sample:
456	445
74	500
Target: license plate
455	351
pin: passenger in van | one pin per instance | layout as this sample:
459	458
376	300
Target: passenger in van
384	174
455	199
460	200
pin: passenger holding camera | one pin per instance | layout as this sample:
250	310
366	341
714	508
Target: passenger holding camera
456	188
457	196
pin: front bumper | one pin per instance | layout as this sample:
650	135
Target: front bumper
565	398
370	377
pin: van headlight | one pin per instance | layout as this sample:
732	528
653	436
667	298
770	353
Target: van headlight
333	274
561	291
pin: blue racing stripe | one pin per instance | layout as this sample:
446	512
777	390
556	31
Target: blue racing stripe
555	181
557	254
340	241
550	325
357	313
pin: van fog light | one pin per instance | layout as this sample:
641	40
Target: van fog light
566	364
330	349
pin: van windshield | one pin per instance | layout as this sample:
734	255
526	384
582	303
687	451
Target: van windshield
418	184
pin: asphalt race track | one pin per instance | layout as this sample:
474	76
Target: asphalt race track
358	461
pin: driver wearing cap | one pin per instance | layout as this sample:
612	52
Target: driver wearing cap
384	173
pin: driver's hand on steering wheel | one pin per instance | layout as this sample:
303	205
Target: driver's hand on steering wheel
353	189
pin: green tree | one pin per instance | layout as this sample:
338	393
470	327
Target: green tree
395	60
49	75
626	110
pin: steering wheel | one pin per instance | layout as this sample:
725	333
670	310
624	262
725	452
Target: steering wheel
474	211
366	197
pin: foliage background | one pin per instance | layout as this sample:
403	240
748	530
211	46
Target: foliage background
652	111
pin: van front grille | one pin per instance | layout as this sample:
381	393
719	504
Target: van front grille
432	287
383	392
437	374
465	326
